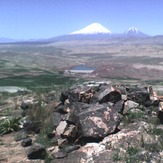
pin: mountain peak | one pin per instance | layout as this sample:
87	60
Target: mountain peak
94	28
133	30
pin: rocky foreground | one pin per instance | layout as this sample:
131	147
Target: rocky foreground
93	122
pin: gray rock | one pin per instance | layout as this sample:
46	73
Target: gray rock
21	135
26	142
60	154
56	118
119	106
37	151
70	132
71	117
141	97
25	105
70	148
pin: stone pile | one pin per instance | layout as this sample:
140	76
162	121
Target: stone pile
90	116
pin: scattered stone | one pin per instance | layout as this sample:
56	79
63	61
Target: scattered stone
53	149
141	97
119	106
70	148
51	135
71	117
37	151
56	118
24	105
62	142
60	154
62	109
21	135
26	142
70	132
113	96
61	128
87	120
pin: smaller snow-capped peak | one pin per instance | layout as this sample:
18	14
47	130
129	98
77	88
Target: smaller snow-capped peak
94	28
132	30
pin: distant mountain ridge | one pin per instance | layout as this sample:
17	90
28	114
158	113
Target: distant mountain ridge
6	40
90	32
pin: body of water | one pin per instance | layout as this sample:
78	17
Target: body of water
83	67
12	89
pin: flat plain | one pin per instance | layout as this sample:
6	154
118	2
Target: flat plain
115	58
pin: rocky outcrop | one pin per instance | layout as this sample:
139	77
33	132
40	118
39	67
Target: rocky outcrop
101	123
93	118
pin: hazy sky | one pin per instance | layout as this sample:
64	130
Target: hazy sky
26	19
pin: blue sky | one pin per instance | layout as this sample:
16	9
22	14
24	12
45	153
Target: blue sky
27	19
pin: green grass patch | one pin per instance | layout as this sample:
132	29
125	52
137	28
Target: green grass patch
40	82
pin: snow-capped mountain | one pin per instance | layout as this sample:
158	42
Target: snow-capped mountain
94	28
132	31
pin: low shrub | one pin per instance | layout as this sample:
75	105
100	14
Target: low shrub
9	125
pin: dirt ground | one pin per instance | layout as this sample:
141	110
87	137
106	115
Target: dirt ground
12	151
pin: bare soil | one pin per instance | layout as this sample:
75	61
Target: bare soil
11	151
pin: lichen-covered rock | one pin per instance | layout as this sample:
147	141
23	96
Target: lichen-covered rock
135	135
98	120
84	154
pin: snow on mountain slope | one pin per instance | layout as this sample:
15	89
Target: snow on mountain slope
94	28
132	31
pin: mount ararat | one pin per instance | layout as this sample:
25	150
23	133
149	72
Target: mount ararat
92	31
96	28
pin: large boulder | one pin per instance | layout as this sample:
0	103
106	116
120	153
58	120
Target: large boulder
97	121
